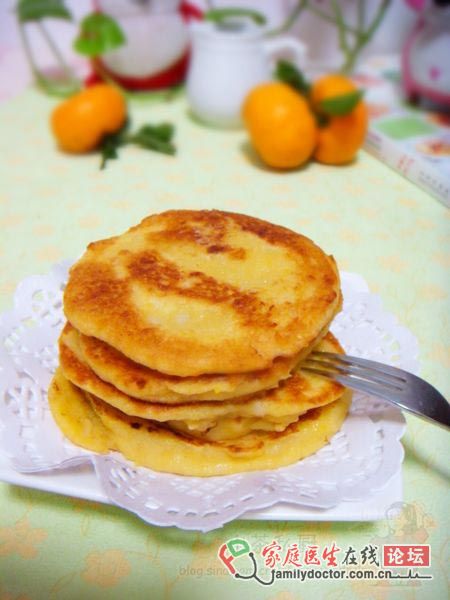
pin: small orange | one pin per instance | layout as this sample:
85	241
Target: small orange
80	122
282	128
342	136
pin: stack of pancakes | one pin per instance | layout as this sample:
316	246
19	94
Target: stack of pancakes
184	343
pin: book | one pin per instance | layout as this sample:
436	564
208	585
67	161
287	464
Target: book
417	148
415	141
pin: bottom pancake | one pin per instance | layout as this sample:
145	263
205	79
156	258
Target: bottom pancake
89	422
75	416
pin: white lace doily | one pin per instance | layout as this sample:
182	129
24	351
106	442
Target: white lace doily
360	459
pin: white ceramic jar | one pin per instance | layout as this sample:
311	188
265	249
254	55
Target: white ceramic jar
157	37
227	63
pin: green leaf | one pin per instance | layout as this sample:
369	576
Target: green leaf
109	151
99	33
290	74
155	137
164	131
220	15
152	137
341	105
112	142
35	10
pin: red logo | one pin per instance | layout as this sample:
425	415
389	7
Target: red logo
406	555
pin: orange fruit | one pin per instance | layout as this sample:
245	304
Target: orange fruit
342	136
281	126
80	122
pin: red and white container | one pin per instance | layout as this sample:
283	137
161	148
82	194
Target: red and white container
156	51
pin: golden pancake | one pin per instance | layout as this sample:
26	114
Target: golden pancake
189	293
271	410
155	446
75	417
147	384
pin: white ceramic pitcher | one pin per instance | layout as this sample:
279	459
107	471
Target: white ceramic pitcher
227	63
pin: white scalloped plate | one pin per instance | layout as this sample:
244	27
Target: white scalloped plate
81	482
357	476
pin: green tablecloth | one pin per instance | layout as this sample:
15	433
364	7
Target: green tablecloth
374	222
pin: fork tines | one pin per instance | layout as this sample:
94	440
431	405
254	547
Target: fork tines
403	389
364	370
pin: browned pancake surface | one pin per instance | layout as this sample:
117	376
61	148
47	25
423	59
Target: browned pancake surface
196	292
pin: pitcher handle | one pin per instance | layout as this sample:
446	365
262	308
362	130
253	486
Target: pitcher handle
286	45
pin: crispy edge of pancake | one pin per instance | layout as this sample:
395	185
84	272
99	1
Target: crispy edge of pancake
143	383
248	406
89	422
76	418
147	384
97	301
156	447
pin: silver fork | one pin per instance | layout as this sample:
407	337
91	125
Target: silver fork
409	392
